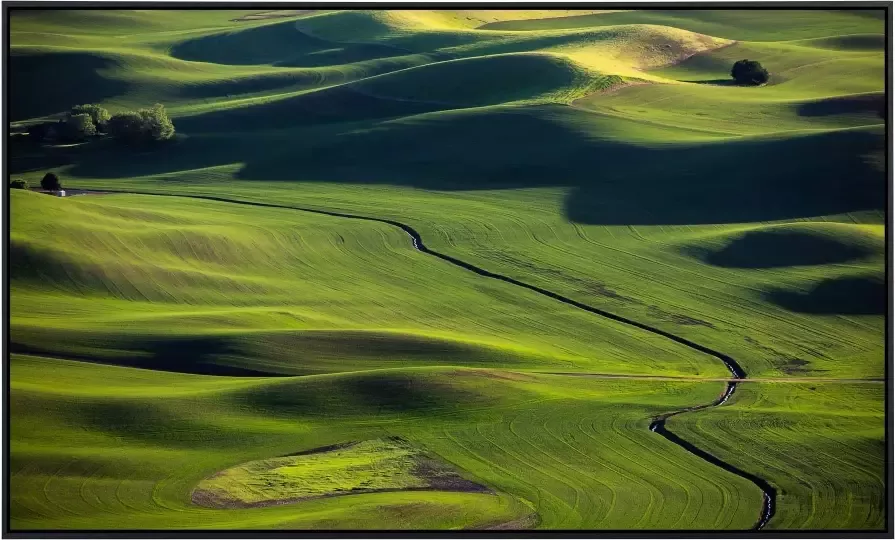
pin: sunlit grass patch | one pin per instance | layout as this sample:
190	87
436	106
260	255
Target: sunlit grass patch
375	465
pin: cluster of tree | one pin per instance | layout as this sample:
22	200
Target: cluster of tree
85	121
749	72
142	126
80	123
49	182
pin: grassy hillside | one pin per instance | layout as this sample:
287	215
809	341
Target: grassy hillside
220	423
536	437
807	430
600	155
752	25
252	297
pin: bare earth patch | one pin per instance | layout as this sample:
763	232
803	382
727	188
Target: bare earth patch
373	466
679	55
703	45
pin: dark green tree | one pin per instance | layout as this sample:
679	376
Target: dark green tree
143	126
156	122
126	126
98	114
749	72
50	182
78	127
18	183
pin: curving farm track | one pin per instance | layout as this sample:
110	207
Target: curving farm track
658	425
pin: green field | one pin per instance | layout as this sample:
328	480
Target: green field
268	347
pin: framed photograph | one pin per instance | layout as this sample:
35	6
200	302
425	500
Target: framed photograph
435	269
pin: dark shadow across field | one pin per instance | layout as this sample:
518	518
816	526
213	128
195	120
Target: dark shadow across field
867	103
328	106
369	393
107	159
280	44
714	82
138	421
41	84
206	355
347	137
611	182
856	295
249	354
774	249
237	87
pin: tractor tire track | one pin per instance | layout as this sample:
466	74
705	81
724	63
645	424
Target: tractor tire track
658	425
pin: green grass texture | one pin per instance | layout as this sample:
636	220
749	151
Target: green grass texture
375	465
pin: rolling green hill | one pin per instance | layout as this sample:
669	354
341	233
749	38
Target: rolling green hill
508	240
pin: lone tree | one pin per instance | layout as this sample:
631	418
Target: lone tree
50	182
749	72
18	183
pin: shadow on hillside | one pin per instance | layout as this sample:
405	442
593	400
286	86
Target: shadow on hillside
41	84
312	347
156	422
403	393
251	85
867	103
26	155
328	106
205	355
199	355
774	249
31	160
609	182
280	44
294	81
859	42
343	53
358	394
106	159
869	13
735	182
860	295
714	82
